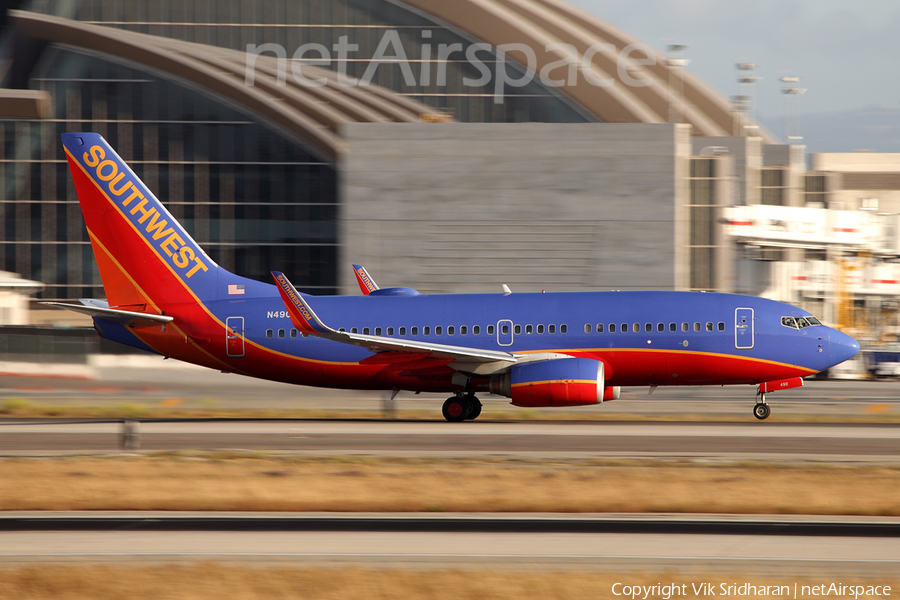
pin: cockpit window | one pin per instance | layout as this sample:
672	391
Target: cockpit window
789	322
801	322
812	320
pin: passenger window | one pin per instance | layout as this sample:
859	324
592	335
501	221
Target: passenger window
293	333
612	327
696	326
529	329
438	330
648	327
476	329
684	326
504	329
517	329
588	328
463	330
426	331
450	330
281	333
378	331
599	327
390	331
660	327
365	331
564	328
490	330
624	328
353	330
551	328
721	326
540	329
636	327
709	326
673	327
269	333
403	331
415	331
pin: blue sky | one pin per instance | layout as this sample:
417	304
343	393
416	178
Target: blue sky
848	53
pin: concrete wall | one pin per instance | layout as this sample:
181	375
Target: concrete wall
747	152
467	207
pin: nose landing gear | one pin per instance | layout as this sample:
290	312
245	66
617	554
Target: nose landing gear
461	407
761	410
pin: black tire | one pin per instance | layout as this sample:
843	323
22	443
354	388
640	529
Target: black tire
475	405
761	411
455	409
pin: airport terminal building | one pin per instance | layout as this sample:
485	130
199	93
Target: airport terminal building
448	146
279	175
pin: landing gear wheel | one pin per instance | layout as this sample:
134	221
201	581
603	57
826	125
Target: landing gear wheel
475	405
456	409
761	411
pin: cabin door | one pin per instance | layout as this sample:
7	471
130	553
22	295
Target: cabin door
234	337
743	328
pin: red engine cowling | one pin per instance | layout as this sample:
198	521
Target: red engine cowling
557	382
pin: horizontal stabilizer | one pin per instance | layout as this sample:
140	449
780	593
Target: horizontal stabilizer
96	308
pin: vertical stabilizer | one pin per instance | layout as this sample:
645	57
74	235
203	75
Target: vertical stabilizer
144	255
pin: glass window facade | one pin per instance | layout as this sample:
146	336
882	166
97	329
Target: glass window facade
437	78
706	183
253	198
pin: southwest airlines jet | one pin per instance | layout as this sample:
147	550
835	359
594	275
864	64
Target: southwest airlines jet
165	295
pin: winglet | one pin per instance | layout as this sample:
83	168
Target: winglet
302	316
366	284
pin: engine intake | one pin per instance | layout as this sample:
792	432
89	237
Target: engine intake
556	382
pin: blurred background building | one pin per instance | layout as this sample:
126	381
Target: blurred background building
429	180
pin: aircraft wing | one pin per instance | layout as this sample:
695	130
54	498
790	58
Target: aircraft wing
97	308
306	321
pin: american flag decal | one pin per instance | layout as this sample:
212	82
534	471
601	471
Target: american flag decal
235	288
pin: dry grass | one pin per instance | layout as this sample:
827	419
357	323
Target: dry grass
212	580
226	483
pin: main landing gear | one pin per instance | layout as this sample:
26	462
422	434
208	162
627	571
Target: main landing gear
462	407
761	410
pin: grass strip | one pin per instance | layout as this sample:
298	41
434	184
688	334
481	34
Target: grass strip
260	482
214	580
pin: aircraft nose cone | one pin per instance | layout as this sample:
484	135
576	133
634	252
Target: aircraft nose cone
842	347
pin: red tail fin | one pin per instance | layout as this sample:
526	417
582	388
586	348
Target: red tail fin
145	256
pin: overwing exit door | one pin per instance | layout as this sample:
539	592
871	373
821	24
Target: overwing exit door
234	337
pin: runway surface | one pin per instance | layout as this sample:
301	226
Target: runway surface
151	382
679	543
483	438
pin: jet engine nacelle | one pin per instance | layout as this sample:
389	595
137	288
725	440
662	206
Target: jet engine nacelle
556	382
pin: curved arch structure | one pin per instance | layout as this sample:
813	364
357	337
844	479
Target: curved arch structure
539	23
311	114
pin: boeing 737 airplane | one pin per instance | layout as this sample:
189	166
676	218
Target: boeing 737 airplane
165	295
